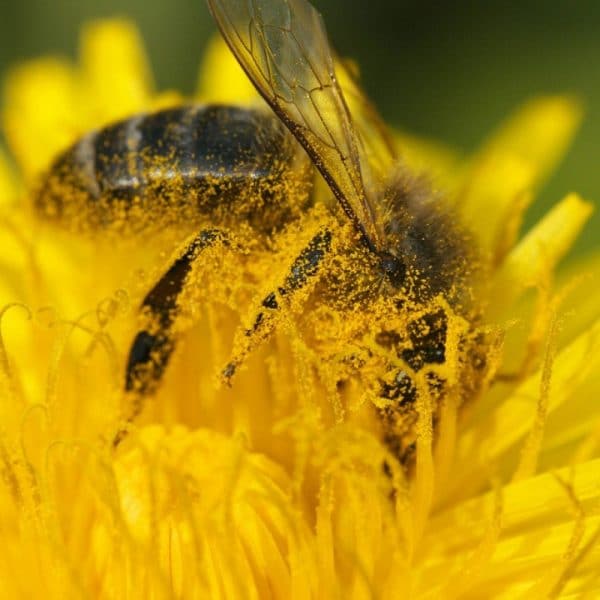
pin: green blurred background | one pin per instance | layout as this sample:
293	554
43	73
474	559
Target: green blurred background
447	70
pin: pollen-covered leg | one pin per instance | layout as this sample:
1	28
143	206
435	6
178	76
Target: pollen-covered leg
154	344
304	270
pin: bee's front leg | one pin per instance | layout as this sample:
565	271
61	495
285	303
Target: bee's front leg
303	270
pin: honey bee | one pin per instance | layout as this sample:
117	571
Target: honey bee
223	167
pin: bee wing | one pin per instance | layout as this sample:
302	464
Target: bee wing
377	148
282	45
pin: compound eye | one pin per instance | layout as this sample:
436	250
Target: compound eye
394	268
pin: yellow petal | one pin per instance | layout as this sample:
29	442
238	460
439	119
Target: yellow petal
233	523
8	181
539	134
495	184
515	160
221	79
572	432
581	282
495	430
536	255
41	113
116	77
439	161
545	524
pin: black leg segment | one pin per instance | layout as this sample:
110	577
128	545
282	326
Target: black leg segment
304	268
153	345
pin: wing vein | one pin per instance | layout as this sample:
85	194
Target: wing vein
282	46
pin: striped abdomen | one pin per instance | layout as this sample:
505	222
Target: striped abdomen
178	165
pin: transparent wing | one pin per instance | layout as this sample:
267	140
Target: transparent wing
282	45
377	147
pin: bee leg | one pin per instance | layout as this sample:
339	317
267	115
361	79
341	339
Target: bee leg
304	268
153	345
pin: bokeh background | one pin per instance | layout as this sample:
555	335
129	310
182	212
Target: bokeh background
446	70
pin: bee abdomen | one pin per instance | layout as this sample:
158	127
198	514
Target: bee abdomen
173	165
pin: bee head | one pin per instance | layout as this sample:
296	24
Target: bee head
393	268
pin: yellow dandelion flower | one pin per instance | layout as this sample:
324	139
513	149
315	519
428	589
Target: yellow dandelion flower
305	478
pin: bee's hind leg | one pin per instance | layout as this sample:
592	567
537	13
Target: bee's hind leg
303	270
153	345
